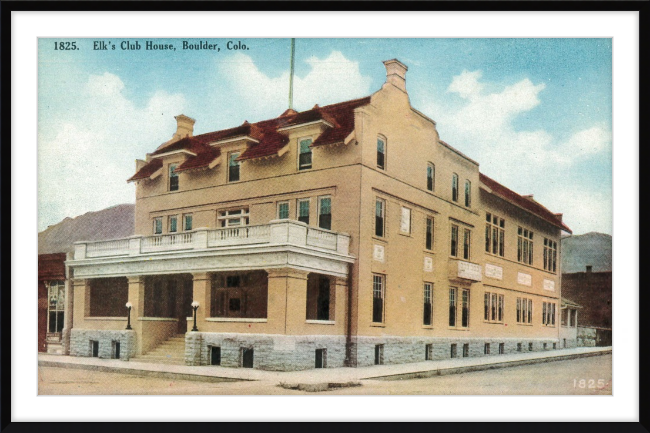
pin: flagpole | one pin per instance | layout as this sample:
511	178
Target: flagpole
293	52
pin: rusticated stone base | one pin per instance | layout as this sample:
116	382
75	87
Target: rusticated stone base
270	352
80	343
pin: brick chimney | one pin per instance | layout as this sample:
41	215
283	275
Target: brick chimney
184	126
396	73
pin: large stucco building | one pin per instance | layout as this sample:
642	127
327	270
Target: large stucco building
348	234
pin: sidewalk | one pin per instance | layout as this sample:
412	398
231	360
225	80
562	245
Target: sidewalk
318	376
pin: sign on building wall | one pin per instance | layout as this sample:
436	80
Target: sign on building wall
493	271
524	279
378	253
428	264
470	271
549	285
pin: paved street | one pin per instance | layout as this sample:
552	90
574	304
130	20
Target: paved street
558	377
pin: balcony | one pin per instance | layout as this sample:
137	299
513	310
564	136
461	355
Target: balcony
277	244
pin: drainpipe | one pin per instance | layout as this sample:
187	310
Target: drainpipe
348	337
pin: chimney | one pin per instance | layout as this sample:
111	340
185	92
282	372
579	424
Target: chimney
396	73
559	216
589	268
184	126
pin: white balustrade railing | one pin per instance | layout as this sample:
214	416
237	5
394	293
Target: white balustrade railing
239	235
177	241
278	232
108	248
321	239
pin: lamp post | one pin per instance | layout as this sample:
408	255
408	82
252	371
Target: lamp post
128	323
195	306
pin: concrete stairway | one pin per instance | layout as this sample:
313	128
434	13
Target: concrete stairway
171	351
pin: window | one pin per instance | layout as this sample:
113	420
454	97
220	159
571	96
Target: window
428	243
233	167
241	296
502	348
428	304
464	321
431	177
486	349
494	234
452	306
518	347
187	222
428	352
465	350
381	153
405	222
548	313
454	240
530	347
303	211
380	210
233	218
325	213
453	353
173	224
493	307
524	310
283	210
304	156
56	306
321	358
454	187
550	255
247	357
524	246
466	244
378	298
173	177
157	226
468	193
115	349
379	354
215	355
94	348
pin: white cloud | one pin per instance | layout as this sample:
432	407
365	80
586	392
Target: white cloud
527	161
330	80
85	162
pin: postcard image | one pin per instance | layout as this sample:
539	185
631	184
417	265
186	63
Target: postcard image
325	216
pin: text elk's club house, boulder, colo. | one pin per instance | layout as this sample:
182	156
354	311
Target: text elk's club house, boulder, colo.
344	235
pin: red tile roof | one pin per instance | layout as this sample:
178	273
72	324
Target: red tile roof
526	203
147	170
51	266
269	140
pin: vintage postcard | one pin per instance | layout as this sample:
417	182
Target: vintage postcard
267	216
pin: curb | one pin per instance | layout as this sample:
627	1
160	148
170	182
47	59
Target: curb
470	368
142	373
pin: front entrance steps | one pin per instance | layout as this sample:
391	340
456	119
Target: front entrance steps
171	351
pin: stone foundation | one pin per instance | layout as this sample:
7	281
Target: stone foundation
80	343
288	353
401	350
271	352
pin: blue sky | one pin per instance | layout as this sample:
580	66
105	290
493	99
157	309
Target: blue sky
535	113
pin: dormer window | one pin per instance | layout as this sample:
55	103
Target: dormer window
381	153
233	167
173	177
304	156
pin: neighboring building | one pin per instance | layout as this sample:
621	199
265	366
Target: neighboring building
569	323
54	243
51	301
593	291
590	249
348	234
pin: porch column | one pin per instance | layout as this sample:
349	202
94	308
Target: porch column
201	293
339	286
296	301
81	304
68	309
136	298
